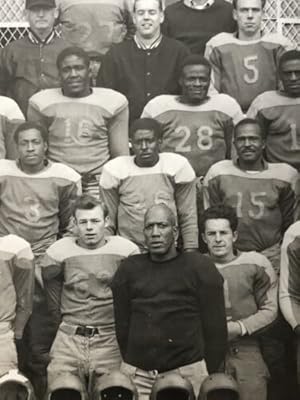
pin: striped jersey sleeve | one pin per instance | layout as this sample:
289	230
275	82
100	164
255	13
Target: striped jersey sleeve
10	117
289	290
17	261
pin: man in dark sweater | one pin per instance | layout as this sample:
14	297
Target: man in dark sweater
147	65
194	22
169	309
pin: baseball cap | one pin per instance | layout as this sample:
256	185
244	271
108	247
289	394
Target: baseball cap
115	385
40	3
219	382
172	386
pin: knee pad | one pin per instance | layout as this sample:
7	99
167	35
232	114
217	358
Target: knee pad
15	386
172	386
115	386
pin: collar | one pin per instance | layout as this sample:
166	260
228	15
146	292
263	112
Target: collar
46	165
192	4
264	166
141	45
36	40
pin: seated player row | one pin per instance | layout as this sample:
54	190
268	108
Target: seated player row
95	284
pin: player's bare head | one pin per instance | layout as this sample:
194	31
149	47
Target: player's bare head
219	211
249	141
87	202
194	79
73	65
248	15
72	51
146	124
160	232
91	219
219	231
160	5
145	135
195	59
161	208
235	3
31	144
240	126
148	16
25	126
289	72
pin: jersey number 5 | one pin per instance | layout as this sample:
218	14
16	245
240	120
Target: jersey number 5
250	65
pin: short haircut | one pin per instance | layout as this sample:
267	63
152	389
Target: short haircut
148	124
26	126
288	56
219	211
160	4
195	59
72	51
249	121
88	202
234	3
170	213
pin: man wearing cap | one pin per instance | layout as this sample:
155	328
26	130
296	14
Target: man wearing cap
27	65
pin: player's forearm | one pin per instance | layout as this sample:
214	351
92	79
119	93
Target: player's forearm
111	199
185	195
290	310
266	314
118	134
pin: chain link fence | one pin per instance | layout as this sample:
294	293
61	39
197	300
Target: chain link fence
282	16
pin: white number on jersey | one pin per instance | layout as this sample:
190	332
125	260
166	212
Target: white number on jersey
250	65
293	130
32	209
256	201
81	135
204	141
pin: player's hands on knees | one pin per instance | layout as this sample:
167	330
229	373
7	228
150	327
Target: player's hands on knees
234	330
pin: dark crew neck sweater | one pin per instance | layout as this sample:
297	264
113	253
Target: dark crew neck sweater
170	314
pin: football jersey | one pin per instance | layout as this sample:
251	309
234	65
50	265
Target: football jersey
95	25
202	133
280	115
244	69
250	290
10	117
289	288
37	206
130	190
80	127
86	296
16	283
264	201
